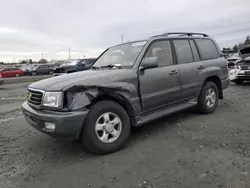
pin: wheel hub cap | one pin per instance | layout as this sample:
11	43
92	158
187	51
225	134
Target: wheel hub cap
108	127
210	97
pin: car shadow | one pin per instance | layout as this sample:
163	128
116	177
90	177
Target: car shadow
138	134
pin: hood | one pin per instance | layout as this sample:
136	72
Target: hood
245	52
84	78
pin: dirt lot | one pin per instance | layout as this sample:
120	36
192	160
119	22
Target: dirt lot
183	150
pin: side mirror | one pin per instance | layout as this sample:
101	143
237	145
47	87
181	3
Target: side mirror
149	63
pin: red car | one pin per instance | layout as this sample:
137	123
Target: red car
9	72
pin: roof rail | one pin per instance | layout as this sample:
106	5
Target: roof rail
184	34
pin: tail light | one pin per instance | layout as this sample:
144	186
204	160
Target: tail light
227	69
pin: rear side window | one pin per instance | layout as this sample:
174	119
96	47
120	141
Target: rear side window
207	49
183	51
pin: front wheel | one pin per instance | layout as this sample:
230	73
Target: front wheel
208	99
106	129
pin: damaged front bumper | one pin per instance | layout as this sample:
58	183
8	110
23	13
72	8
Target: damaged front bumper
237	74
68	125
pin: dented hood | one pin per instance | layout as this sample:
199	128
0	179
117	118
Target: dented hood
84	78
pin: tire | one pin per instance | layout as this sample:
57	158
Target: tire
90	138
238	81
17	75
50	72
33	73
207	106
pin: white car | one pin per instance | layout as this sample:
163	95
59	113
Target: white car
241	71
232	61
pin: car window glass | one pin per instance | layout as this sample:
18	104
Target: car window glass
81	63
183	51
207	49
194	50
161	50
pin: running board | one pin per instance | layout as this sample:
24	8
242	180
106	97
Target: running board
162	113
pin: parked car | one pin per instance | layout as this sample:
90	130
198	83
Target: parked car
232	61
241	72
74	66
1	80
11	71
42	69
129	85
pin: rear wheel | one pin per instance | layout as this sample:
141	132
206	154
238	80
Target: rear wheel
238	81
50	72
106	129
208	99
16	75
33	73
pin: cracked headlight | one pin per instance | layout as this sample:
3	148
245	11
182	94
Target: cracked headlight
53	99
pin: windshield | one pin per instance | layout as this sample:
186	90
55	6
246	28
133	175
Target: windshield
73	62
123	55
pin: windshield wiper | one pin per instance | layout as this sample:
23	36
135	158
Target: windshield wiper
112	66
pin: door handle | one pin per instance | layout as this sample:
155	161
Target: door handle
172	72
200	67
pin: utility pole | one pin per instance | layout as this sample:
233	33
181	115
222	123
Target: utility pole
122	38
69	53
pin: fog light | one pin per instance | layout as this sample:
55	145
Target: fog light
50	126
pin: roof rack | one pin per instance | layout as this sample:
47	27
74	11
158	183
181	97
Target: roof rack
184	34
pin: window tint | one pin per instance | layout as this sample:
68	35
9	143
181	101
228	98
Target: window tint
183	51
207	49
194	50
161	50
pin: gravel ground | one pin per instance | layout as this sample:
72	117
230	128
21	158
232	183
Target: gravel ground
183	150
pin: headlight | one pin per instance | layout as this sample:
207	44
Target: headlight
52	99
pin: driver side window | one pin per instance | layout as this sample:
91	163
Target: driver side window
161	50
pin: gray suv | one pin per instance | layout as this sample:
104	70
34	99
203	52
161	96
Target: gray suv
130	84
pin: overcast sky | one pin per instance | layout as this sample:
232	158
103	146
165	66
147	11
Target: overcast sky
29	27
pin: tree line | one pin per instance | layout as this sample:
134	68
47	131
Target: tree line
236	47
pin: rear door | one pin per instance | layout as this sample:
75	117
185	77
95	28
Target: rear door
160	86
189	66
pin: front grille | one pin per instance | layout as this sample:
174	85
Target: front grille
34	97
244	67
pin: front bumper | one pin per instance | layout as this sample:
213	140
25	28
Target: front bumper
240	77
68	124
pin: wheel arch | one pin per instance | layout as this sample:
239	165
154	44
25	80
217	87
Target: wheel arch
217	81
124	102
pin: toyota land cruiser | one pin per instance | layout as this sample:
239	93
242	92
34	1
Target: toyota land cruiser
129	84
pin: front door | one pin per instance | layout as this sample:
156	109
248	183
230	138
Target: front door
160	86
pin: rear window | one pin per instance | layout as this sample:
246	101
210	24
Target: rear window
207	49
